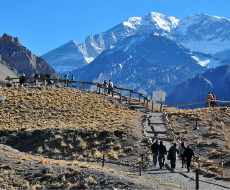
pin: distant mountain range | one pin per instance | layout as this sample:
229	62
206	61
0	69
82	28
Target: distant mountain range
199	32
144	62
195	90
16	59
154	52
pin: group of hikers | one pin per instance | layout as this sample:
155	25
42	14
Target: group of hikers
22	78
108	86
211	99
159	151
66	77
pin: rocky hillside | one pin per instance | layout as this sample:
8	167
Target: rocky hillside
21	59
6	70
194	90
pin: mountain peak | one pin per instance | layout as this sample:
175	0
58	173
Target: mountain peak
6	38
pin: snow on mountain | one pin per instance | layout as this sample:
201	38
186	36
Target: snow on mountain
143	62
204	33
199	32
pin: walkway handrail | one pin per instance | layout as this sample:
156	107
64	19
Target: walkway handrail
98	85
196	103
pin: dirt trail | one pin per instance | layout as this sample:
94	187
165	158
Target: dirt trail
178	178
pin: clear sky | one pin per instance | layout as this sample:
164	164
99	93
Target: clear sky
43	25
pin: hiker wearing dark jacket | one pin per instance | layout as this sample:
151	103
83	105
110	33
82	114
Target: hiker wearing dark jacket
162	153
155	150
173	151
189	153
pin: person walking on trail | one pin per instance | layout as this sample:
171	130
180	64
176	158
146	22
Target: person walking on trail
105	84
181	153
162	153
173	151
110	86
155	150
189	153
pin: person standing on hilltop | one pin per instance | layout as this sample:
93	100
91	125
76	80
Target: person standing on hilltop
155	150
162	153
209	98
173	151
213	102
36	76
66	78
105	84
72	78
22	79
189	153
181	153
110	86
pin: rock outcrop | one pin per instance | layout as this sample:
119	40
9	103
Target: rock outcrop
21	59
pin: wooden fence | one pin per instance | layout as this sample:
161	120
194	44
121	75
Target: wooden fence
98	86
219	165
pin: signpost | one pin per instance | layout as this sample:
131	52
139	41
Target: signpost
159	96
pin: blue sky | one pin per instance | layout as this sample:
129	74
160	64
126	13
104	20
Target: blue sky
43	25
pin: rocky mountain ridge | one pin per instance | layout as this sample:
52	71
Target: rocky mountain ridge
21	59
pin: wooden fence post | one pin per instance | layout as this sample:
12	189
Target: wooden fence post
142	158
130	94
99	87
140	167
221	169
139	97
161	107
209	103
103	160
82	85
112	92
152	105
197	178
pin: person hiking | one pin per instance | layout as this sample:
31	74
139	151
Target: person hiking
105	84
36	76
162	153
181	153
110	86
209	98
22	79
189	153
66	78
173	151
72	78
155	150
213	102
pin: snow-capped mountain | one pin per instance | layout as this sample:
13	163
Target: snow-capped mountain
204	33
144	62
199	32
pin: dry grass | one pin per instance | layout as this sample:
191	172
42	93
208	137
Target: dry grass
40	109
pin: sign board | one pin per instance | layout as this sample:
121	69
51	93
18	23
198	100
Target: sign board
158	96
